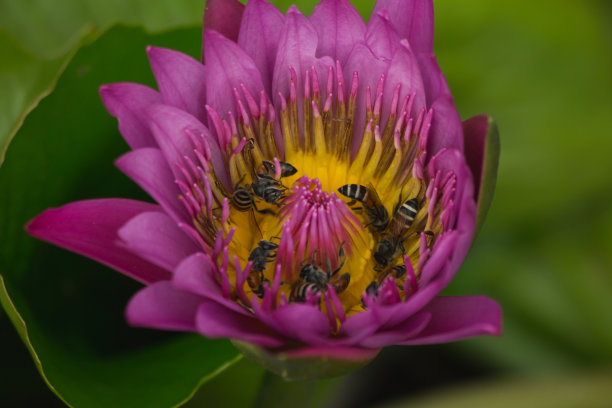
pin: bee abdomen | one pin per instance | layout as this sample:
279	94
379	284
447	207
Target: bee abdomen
354	191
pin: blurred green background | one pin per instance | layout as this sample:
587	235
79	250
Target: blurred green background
542	69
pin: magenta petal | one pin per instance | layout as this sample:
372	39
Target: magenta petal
216	321
482	154
149	169
196	274
181	80
161	306
413	19
297	49
156	237
381	36
370	69
90	229
223	16
259	36
298	321
126	101
230	67
458	317
446	130
404	70
170	128
433	78
339	27
407	329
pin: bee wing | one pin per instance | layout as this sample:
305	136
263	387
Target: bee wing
373	196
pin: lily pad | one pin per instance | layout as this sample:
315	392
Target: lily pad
68	309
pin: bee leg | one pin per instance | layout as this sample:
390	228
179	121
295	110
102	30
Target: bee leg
264	211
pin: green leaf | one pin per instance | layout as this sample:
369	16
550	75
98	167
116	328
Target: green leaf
38	38
68	309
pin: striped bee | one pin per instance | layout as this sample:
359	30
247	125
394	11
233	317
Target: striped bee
314	278
260	256
397	272
242	199
374	209
403	216
388	249
270	169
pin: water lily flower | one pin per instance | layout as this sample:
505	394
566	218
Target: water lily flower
315	188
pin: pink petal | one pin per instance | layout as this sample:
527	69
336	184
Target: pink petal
155	237
170	126
381	37
413	19
446	130
90	229
161	306
259	36
126	101
181	80
370	69
231	67
149	169
433	78
297	49
298	321
404	70
458	317
339	27
196	274
224	17
407	329
216	321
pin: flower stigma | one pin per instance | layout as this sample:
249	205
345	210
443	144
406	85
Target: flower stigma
317	209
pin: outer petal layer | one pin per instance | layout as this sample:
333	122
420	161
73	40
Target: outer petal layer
90	229
223	16
458	317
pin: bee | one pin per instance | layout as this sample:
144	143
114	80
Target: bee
314	278
260	256
388	249
242	199
266	186
375	210
286	169
403	216
397	272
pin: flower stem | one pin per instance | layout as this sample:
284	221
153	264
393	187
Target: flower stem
277	392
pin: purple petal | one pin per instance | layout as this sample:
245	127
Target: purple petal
230	67
216	321
433	78
381	36
446	130
126	101
407	329
170	126
90	229
224	17
339	27
156	237
297	49
149	169
482	154
196	274
370	69
181	80
412	19
458	317
404	70
259	36
161	306
298	321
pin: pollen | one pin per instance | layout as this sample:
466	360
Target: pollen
321	207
